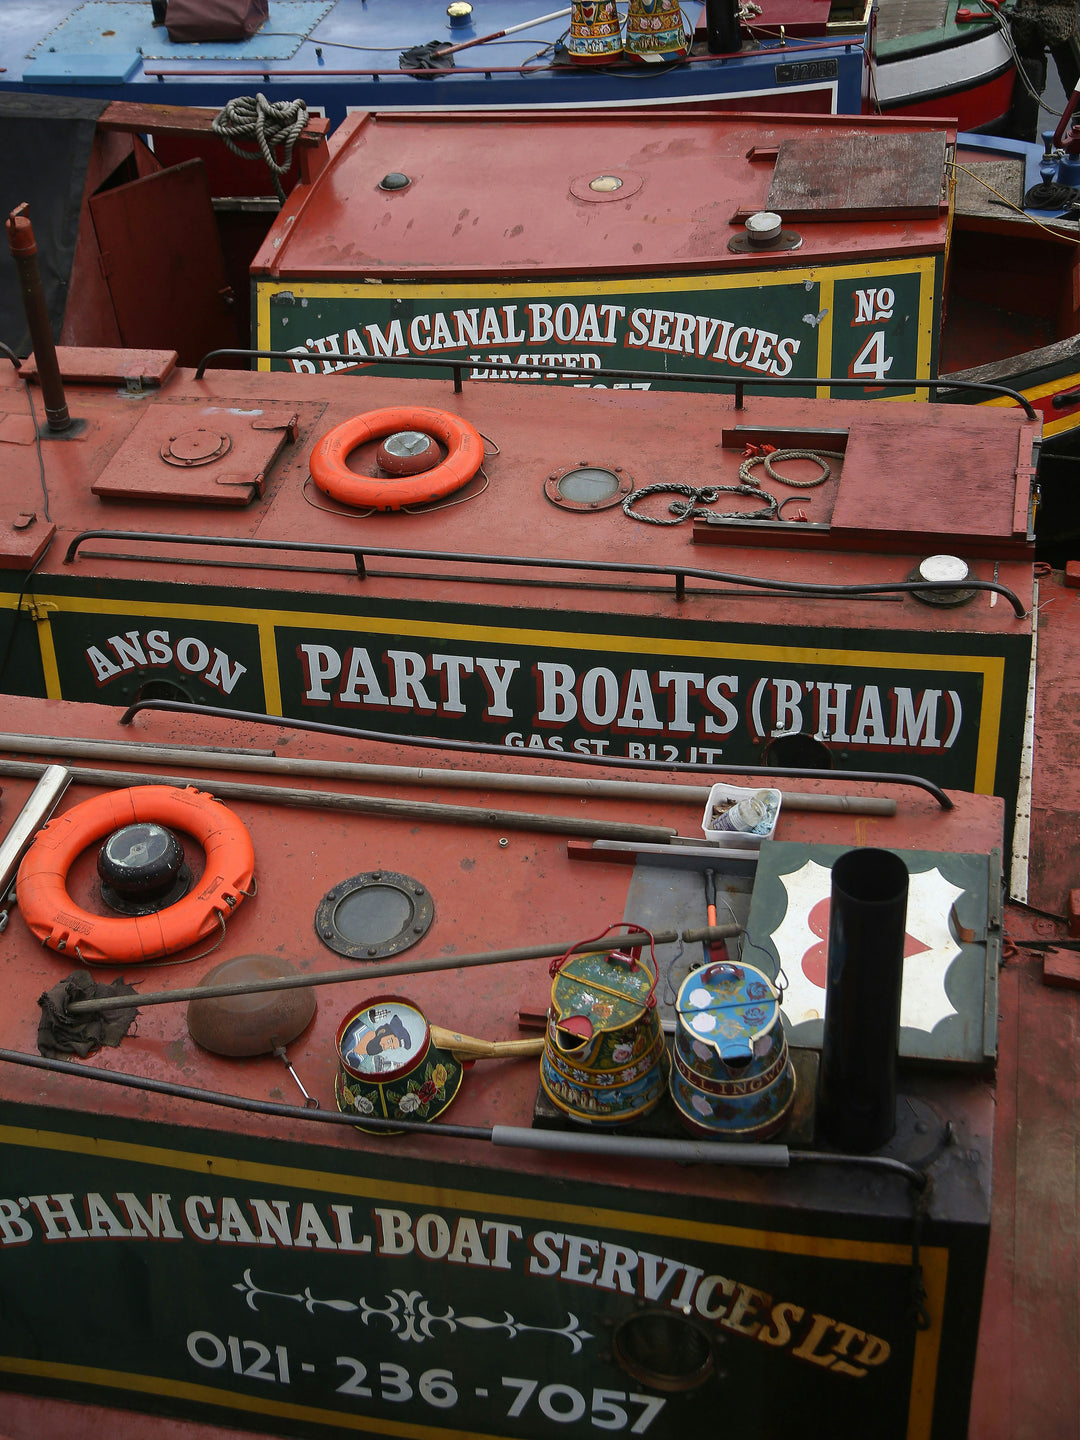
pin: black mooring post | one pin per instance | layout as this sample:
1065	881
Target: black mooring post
856	1095
722	27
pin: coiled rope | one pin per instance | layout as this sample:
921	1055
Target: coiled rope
697	498
746	469
269	124
1049	195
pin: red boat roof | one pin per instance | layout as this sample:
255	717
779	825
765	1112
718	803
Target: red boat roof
610	193
905	480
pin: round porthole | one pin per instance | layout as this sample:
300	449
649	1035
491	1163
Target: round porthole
588	487
374	915
663	1350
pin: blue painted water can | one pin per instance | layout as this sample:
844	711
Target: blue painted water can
732	1078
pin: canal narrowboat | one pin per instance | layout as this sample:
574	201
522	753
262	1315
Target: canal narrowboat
513	1255
194	539
841	252
503	1268
642	574
941	58
346	55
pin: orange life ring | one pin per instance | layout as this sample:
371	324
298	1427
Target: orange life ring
465	452
58	922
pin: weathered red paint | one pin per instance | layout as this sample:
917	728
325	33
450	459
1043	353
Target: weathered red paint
508	197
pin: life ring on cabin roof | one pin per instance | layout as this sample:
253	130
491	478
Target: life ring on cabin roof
52	915
329	470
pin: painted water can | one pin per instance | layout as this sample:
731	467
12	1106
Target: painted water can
733	1077
605	1061
595	33
388	1066
655	30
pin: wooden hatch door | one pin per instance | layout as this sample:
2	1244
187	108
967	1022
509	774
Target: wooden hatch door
161	257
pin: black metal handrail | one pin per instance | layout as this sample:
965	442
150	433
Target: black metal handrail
680	573
490	747
738	386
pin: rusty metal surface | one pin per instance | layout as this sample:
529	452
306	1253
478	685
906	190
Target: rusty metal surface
501	196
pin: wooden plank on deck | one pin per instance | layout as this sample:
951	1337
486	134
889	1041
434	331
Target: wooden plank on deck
821	176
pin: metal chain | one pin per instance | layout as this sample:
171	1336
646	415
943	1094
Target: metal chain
253	117
747	467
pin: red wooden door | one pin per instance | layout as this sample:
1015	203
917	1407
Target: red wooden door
161	257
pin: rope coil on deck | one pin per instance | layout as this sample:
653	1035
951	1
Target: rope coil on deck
269	124
771	457
705	495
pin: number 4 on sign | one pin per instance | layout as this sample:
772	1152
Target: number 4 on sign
871	362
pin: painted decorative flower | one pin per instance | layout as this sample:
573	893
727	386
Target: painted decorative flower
409	1102
439	1076
622	1053
363	1105
701	1105
427	1092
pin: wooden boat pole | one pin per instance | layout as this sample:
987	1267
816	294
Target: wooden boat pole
365	804
265	762
372	973
498	34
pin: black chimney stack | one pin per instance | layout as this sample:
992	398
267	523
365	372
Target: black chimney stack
24	252
856	1094
722	27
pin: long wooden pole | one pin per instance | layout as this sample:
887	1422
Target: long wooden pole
365	804
370	974
265	762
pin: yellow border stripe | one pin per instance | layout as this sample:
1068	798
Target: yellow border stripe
825	333
1040	392
990	667
935	1261
208	1395
364	1188
493	292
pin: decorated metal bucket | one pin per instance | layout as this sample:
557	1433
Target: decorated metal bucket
733	1077
655	29
595	33
605	1061
388	1066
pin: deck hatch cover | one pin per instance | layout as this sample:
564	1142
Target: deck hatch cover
859	175
169	454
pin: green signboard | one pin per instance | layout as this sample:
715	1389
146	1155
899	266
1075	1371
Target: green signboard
872	322
309	1290
943	705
